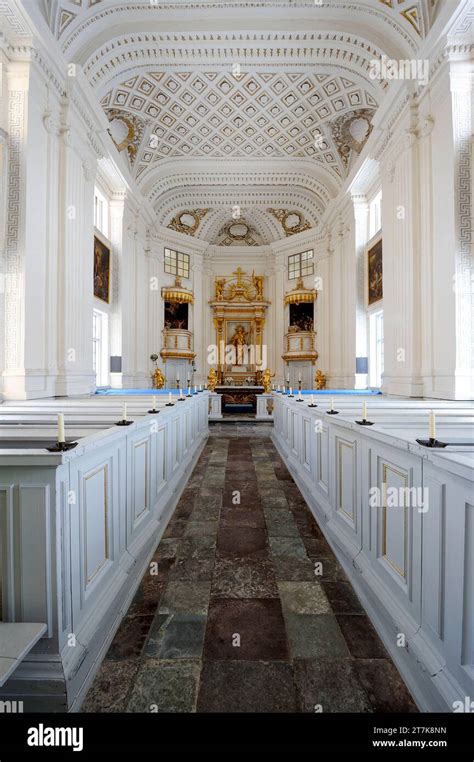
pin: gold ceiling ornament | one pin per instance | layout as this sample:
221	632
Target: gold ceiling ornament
188	220
126	131
242	288
177	293
300	294
237	231
351	132
291	221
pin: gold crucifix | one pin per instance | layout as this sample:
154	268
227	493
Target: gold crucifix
239	272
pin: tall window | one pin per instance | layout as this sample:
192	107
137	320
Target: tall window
376	349
300	264
177	263
375	215
101	212
100	350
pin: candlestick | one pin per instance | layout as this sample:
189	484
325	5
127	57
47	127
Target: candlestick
312	403
61	435
332	404
189	391
61	445
299	376
432	441
278	388
153	405
124	421
195	390
288	379
299	397
364	421
181	396
291	393
331	410
170	402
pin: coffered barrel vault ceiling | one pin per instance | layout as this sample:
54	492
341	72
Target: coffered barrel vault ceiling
264	106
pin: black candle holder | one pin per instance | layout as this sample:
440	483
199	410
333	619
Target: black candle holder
312	404
124	423
62	446
153	411
291	395
432	442
189	395
365	422
332	412
170	404
299	399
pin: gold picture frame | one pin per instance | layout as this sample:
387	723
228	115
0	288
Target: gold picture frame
375	272
102	269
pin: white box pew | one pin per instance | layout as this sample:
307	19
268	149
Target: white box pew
408	548
77	530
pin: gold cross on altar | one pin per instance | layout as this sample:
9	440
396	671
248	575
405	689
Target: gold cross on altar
239	272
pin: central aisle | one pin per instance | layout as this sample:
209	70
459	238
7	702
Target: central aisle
236	619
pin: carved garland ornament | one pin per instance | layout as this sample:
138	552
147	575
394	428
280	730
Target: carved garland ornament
188	221
292	222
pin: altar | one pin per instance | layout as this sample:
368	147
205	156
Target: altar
239	399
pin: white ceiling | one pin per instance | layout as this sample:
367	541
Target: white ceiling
282	132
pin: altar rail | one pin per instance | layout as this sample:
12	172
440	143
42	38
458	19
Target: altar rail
78	530
413	569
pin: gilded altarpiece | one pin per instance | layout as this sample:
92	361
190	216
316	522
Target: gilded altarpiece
239	308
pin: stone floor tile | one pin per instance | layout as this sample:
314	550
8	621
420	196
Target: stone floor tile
166	686
239	541
385	688
244	578
315	636
329	686
250	629
303	598
361	637
185	596
176	636
111	687
236	686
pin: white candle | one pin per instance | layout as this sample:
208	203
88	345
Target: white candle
170	397
299	376
432	425
200	387
124	412
189	376
288	379
61	436
364	411
154	403
312	399
177	380
189	389
332	404
299	395
278	388
180	393
195	390
291	391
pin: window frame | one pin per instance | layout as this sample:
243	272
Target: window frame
297	260
178	269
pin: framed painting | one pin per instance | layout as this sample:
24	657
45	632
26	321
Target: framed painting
101	270
374	273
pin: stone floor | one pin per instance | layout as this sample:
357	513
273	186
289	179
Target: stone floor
232	616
